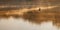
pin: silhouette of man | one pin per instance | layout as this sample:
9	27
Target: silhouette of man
39	9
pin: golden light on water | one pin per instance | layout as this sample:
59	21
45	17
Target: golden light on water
21	11
49	7
29	15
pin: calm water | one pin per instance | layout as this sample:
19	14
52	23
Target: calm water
19	24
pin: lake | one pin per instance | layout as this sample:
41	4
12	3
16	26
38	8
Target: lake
12	23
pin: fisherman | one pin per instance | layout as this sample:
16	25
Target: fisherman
39	9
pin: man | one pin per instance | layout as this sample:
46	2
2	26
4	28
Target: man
39	9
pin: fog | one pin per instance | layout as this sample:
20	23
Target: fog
19	24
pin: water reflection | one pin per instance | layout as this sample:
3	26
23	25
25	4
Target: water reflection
44	16
32	20
19	24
